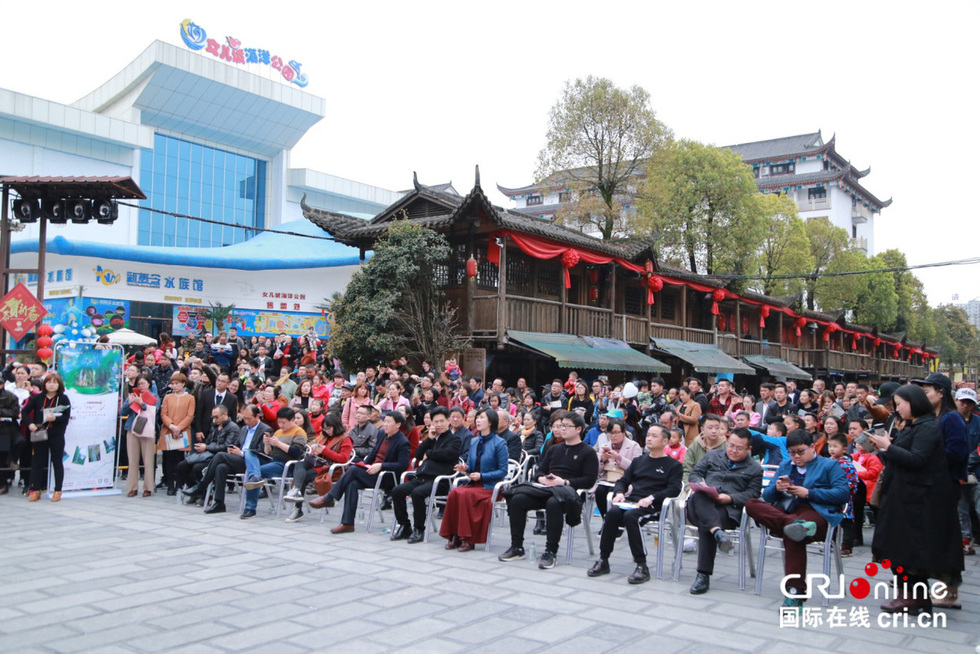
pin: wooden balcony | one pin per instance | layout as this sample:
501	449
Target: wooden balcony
549	316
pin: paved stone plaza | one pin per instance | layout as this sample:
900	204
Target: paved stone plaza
113	574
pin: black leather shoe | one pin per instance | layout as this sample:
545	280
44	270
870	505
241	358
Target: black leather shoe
217	507
724	542
701	584
640	575
599	568
171	492
417	536
539	527
401	532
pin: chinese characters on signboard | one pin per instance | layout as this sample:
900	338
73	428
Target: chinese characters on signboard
20	311
231	51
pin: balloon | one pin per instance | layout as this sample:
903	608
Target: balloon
630	390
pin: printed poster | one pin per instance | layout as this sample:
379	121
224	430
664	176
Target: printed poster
92	383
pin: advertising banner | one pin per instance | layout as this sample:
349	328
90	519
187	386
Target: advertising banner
92	382
100	315
249	322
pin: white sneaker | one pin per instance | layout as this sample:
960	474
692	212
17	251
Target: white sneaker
293	495
296	514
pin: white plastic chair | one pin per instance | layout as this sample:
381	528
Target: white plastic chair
740	537
831	548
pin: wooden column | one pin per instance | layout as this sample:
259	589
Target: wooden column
684	311
502	293
782	346
738	328
643	294
612	298
562	297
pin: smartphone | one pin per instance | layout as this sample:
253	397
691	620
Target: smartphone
785	478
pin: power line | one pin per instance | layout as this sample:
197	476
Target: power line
209	221
938	264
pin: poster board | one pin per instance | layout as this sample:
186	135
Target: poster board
93	379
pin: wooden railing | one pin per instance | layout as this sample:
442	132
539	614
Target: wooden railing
537	315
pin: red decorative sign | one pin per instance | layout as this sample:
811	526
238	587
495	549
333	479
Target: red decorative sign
20	311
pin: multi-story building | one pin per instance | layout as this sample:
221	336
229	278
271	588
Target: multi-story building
972	309
820	181
207	136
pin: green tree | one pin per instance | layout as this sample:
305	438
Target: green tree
703	202
877	303
785	249
826	242
841	294
218	313
392	306
958	339
599	140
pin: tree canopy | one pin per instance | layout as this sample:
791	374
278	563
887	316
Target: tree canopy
703	203
599	139
392	306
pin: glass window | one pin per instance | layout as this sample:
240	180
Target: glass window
198	180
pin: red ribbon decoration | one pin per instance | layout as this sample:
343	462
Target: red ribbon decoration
800	324
569	258
763	314
828	330
654	285
718	295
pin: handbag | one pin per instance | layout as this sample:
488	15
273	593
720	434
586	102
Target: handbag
198	457
39	435
139	424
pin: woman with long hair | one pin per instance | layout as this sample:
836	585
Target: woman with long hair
304	393
49	410
916	526
332	446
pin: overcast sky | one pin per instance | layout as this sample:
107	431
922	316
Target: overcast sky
437	87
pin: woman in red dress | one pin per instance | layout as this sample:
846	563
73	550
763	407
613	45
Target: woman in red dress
467	514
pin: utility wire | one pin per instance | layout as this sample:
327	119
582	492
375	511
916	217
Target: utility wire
209	221
939	264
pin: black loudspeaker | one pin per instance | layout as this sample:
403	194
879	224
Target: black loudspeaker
78	211
26	211
105	211
54	211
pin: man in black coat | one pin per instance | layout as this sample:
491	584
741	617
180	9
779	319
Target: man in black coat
207	399
436	456
11	441
231	461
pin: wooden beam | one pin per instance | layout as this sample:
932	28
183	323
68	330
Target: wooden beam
502	293
684	310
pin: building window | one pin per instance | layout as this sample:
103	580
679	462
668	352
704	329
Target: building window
819	193
785	168
535	200
196	180
565	196
667	304
549	274
520	279
633	300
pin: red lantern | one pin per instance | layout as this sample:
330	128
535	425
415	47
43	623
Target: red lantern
745	324
828	330
876	342
722	322
44	341
45	353
593	294
717	295
44	330
471	267
763	314
594	276
800	324
649	267
854	343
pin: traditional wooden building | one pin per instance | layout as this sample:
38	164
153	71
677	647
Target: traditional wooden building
580	302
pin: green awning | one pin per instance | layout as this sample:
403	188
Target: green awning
704	358
777	367
588	353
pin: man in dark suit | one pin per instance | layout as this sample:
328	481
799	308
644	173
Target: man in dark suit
436	456
766	402
391	453
207	399
231	462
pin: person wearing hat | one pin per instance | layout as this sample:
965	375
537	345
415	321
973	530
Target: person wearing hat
966	405
882	408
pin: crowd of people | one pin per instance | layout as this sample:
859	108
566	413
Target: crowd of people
800	461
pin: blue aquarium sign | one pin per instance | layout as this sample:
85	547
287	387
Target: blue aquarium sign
232	51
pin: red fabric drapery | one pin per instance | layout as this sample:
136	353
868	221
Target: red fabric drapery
541	248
